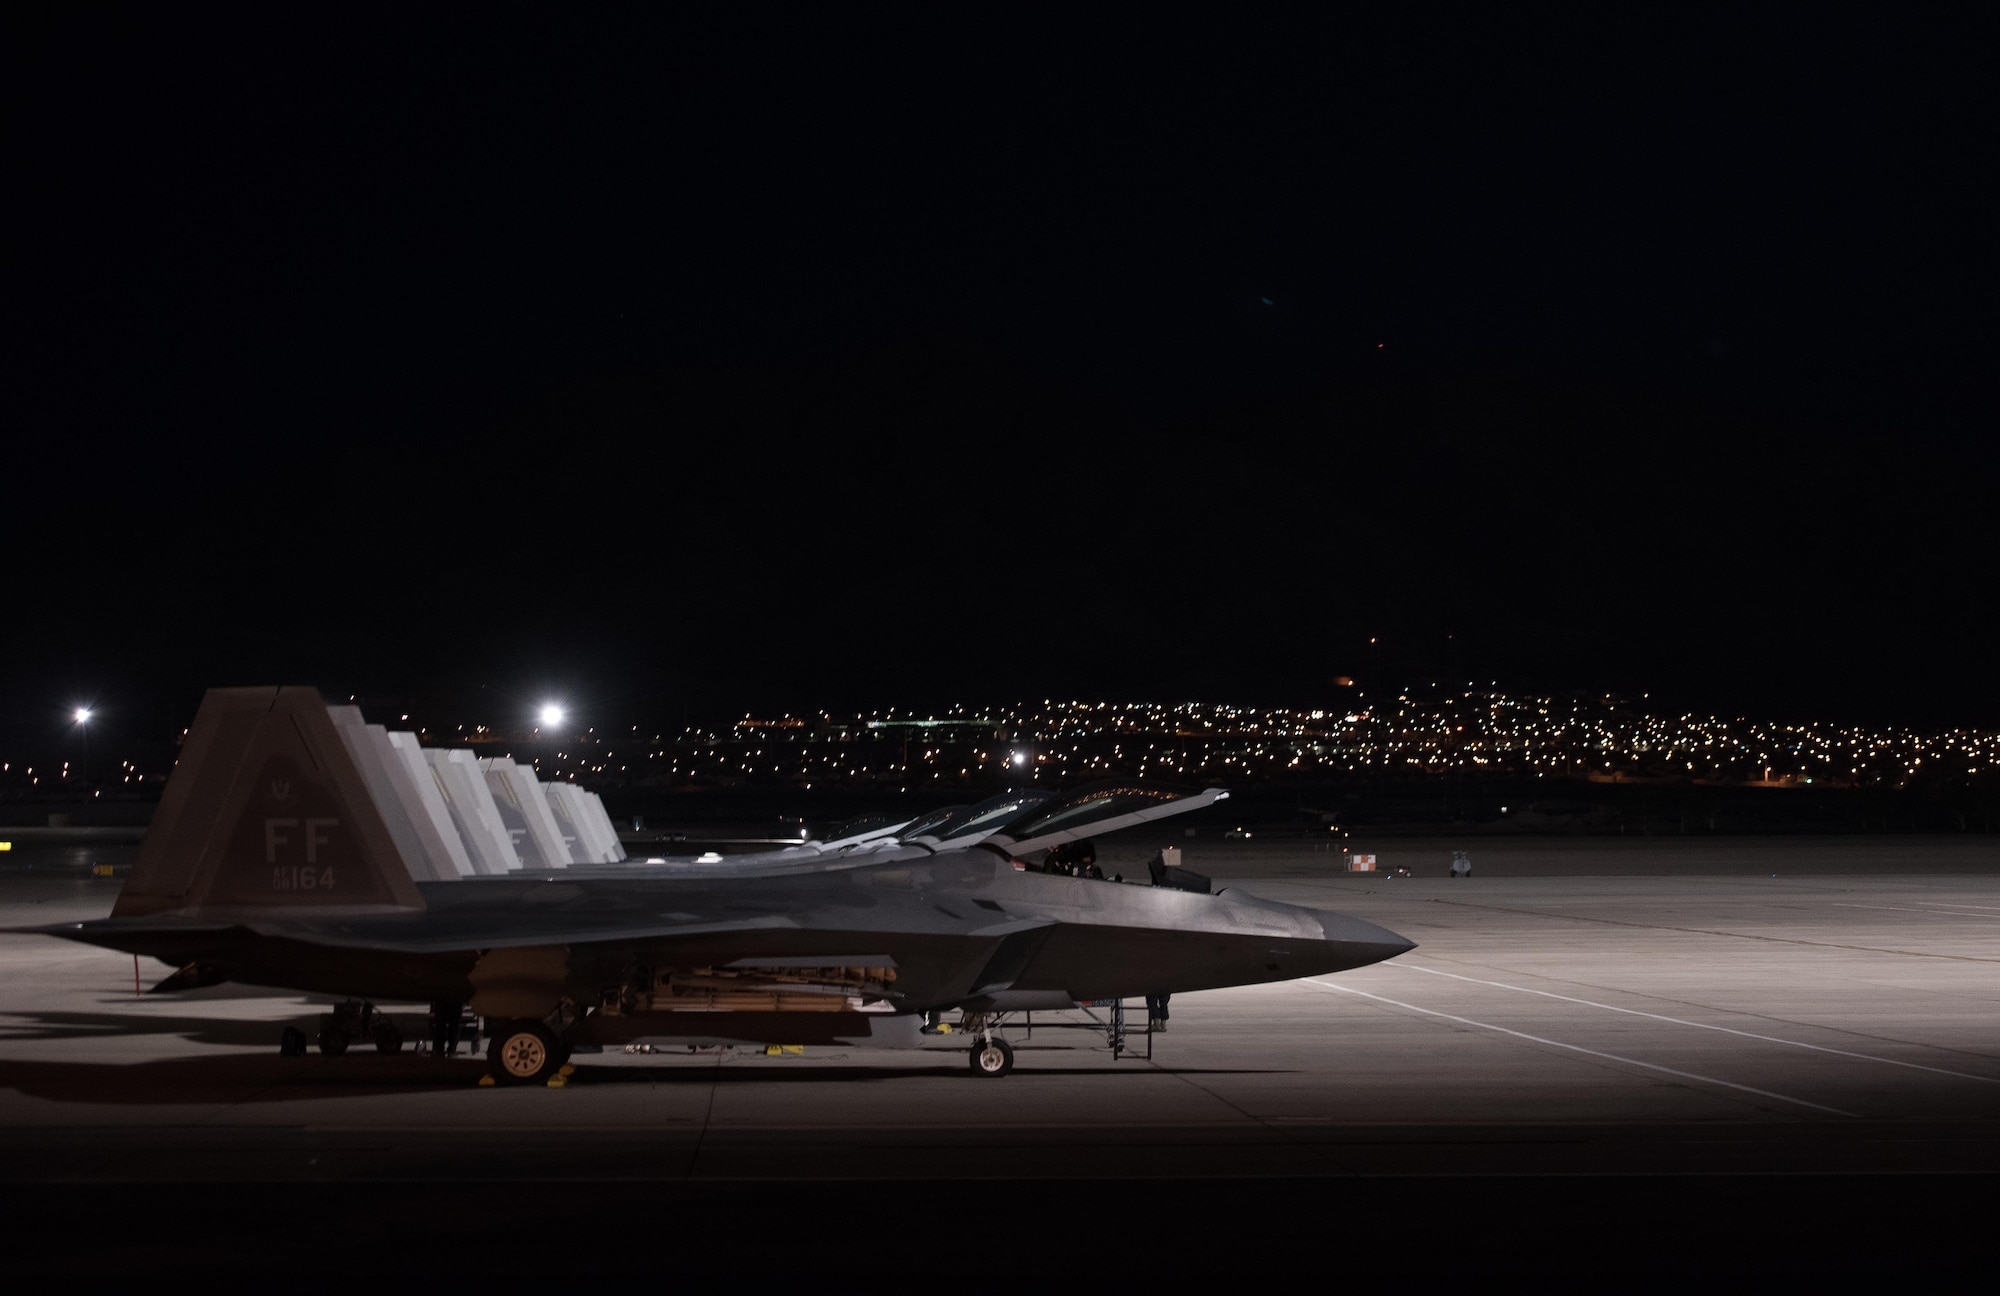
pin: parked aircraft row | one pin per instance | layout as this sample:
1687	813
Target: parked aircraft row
297	847
454	814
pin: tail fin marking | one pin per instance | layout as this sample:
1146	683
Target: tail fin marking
266	809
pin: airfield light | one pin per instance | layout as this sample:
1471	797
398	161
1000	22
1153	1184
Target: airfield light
552	714
83	715
1020	758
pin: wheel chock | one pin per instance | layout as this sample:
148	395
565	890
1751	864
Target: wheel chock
558	1082
487	1082
566	1070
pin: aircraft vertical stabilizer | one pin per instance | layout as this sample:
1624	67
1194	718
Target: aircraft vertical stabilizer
579	850
571	814
266	808
541	815
604	828
373	761
422	783
587	813
472	810
526	813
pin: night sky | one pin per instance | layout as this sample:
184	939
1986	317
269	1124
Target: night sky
793	358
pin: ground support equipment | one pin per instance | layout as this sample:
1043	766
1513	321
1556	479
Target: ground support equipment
349	1022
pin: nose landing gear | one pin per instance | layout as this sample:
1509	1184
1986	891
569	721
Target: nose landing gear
992	1057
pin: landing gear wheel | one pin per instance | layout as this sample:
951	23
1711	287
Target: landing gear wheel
523	1052
333	1041
292	1043
992	1057
388	1039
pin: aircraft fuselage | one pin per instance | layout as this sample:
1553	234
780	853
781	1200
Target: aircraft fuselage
966	929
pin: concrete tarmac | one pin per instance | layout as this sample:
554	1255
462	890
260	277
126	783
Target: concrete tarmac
1670	1018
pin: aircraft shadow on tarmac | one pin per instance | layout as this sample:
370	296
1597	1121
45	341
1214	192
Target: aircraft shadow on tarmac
268	1078
758	1070
237	1078
272	1079
75	1025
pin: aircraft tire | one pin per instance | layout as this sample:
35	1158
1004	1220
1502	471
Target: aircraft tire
523	1052
388	1039
333	1041
292	1042
992	1058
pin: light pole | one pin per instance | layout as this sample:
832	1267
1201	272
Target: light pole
82	715
547	717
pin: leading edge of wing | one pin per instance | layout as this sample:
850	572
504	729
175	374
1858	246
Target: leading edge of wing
383	939
401	935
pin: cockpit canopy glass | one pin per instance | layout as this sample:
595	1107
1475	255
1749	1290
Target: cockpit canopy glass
922	825
992	815
859	825
1091	805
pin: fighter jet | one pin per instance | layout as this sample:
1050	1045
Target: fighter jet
270	862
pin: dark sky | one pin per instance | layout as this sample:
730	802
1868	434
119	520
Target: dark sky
794	358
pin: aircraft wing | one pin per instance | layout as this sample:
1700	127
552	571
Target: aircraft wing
502	932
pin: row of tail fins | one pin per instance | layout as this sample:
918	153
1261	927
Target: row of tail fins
280	800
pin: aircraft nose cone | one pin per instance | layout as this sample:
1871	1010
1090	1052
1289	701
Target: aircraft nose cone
1363	941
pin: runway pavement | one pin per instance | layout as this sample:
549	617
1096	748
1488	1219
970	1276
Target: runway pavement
1685	1018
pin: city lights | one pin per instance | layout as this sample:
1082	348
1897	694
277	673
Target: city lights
1420	732
1410	733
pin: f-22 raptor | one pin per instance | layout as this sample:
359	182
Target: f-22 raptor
273	861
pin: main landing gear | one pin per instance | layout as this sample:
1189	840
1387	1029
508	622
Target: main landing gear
519	1052
524	1052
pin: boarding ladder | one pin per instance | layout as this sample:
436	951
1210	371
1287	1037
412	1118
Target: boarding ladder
1112	1025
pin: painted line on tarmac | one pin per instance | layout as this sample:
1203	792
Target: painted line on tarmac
1949	913
1941	904
1578	1048
1713	931
1682	1021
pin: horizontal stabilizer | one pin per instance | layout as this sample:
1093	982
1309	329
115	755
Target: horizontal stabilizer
194	976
